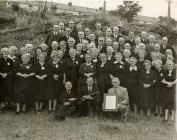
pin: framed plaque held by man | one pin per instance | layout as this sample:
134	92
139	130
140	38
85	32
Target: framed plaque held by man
110	103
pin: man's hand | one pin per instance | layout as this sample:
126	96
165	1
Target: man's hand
55	77
72	99
170	84
66	103
4	75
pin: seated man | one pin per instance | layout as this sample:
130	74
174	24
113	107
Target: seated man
68	103
122	99
89	99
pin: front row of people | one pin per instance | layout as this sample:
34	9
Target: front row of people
44	81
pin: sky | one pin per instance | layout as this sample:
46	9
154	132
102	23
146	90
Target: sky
153	8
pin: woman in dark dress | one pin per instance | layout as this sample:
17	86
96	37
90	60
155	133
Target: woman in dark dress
24	83
118	68
158	87
103	74
6	67
30	50
37	52
56	69
72	68
86	70
16	60
141	59
110	56
41	82
132	73
169	83
147	80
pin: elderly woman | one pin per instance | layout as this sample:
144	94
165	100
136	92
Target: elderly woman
86	70
118	68
44	48
13	54
103	74
147	80
132	75
37	52
41	80
141	59
126	57
30	49
6	67
95	53
158	87
24	83
71	69
56	70
80	53
63	47
168	95
110	57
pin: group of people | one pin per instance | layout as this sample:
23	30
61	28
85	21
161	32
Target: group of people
71	71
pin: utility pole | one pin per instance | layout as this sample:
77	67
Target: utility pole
169	8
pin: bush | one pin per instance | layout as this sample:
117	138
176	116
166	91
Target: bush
21	22
91	23
166	27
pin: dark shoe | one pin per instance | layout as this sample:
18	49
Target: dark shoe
17	112
60	118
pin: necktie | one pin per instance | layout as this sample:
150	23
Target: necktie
115	91
115	36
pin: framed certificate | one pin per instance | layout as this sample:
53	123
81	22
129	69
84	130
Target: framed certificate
110	102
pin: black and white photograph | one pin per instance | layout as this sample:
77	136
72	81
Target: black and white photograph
88	69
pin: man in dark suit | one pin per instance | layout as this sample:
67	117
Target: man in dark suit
116	34
67	102
150	46
67	34
80	37
87	33
61	28
144	38
165	46
90	99
73	29
121	44
131	39
98	32
53	36
101	45
108	34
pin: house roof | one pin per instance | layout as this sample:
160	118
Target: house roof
61	6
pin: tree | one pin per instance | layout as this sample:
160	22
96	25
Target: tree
15	7
127	11
54	9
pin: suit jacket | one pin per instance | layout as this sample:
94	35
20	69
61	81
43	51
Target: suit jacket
116	38
51	37
131	42
145	41
122	94
103	49
162	50
65	96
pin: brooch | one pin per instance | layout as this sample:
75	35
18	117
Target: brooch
8	64
56	66
27	67
43	68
